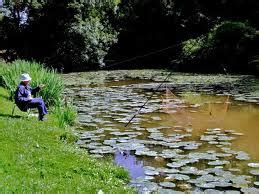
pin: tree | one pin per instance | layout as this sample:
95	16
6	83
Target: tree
74	35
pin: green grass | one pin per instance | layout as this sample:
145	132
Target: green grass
66	114
33	158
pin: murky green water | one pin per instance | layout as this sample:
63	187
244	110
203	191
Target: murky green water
180	141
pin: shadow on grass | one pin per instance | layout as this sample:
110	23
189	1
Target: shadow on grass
10	116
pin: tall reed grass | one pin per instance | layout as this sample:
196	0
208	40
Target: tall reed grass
66	115
52	93
10	76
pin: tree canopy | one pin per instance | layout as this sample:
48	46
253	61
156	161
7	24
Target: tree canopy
75	35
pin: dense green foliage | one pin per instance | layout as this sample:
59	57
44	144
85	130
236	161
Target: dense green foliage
52	93
75	35
87	41
67	34
37	157
226	46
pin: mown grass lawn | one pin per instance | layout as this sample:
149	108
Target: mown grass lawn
34	159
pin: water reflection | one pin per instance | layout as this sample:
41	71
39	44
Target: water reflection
130	162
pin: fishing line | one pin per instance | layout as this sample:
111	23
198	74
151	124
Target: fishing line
227	101
150	97
149	54
143	56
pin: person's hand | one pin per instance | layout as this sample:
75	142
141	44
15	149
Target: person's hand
30	97
41	86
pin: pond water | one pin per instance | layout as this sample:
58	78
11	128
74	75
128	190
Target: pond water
180	141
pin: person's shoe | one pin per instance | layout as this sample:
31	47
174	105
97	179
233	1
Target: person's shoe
41	118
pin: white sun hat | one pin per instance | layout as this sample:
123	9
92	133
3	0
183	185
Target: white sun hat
25	77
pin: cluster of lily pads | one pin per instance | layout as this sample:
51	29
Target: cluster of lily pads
186	163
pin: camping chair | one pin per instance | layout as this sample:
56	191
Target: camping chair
14	106
28	110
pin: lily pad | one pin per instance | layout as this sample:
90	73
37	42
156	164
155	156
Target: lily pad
149	177
151	172
169	191
167	184
254	172
242	156
232	192
253	165
250	190
218	163
169	154
213	142
205	185
167	170
179	177
176	165
213	191
146	152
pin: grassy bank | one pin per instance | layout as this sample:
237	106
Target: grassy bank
40	156
34	159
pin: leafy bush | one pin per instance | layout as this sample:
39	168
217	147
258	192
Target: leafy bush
229	32
227	43
54	86
87	44
192	46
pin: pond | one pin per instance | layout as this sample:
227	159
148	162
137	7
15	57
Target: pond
190	137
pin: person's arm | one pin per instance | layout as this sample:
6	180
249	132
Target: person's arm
35	90
20	97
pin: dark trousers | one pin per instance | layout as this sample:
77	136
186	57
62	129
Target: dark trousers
39	104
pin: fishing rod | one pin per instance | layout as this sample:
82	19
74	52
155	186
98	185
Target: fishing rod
143	56
150	97
160	85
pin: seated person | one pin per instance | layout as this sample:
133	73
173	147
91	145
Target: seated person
24	99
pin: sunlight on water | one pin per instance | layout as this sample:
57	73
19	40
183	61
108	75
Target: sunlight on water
171	134
216	112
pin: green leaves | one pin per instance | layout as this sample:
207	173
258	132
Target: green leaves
227	43
88	41
54	86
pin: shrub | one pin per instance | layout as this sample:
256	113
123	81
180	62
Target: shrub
192	46
229	32
54	86
228	43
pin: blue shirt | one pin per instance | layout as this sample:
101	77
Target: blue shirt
22	95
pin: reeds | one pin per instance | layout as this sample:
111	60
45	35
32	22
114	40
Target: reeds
66	115
52	92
